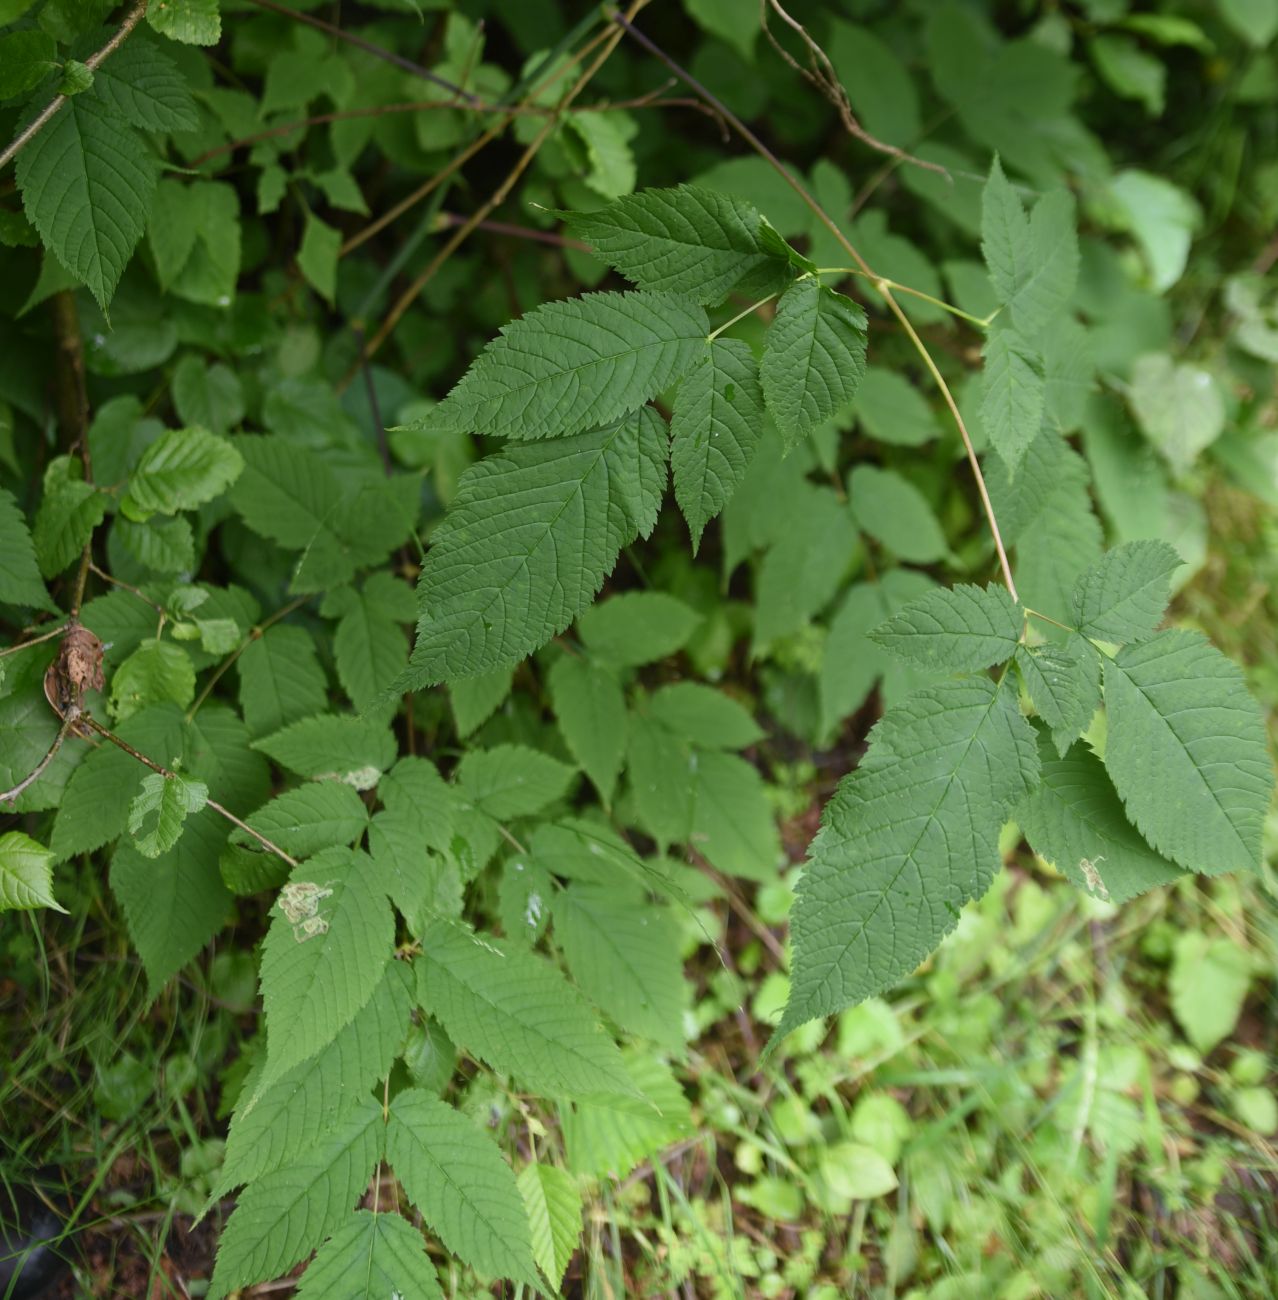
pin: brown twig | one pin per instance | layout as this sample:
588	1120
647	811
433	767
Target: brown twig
31	778
450	219
94	725
495	200
46	114
377	51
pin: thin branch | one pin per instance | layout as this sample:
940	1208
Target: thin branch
10	795
448	220
881	285
42	119
377	51
496	199
35	640
94	725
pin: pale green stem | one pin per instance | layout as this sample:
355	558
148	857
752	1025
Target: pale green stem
741	315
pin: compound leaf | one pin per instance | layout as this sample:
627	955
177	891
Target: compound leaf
1186	750
1063	681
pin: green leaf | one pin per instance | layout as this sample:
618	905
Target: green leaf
554	1217
370	649
476	699
194	231
892	410
1123	597
26	874
638	627
704	716
960	629
141	83
158	814
20	582
157	671
732	818
210	396
591	711
281	679
1012	398
625	956
813	357
1063	681
332	747
685	240
317	256
570	366
275	1126
1180	408
531	535
370	1257
907	840
517	1013
193	22
609	156
1162	218
1186	750
69	512
716	425
895	513
1129	71
26	59
86	182
181	469
1075	821
456	1176
285	1215
174	904
512	780
1208	983
317	815
1033	261
166	546
1256	21
330	939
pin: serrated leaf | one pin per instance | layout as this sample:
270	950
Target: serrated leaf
465	1190
960	629
164	545
531	535
611	161
210	396
476	699
315	816
70	510
732	820
141	83
181	469
591	711
715	429
20	582
1033	261
570	366
285	1215
517	1013
513	780
156	672
330	939
86	182
683	240
554	1217
1074	819
159	811
333	747
625	957
1186	750
1122	598
193	22
895	513
1012	394
638	627
26	874
371	1257
281	680
370	649
26	59
1063	682
908	839
276	1126
813	357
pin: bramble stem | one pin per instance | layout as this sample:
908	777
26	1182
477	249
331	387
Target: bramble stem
94	725
1033	613
981	322
884	287
741	315
46	114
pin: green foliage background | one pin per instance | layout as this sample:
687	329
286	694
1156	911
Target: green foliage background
246	247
